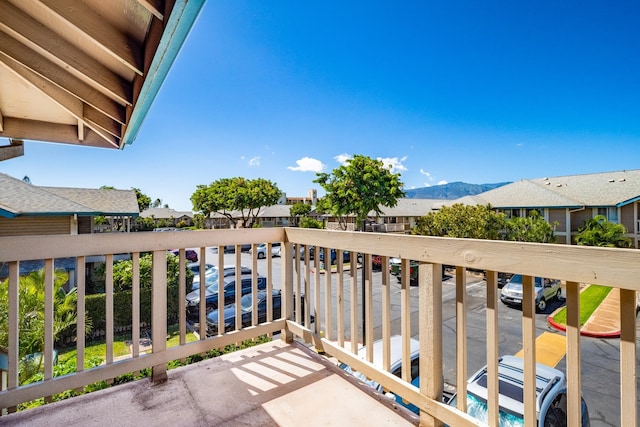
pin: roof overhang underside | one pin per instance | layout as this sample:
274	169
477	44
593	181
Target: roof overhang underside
84	72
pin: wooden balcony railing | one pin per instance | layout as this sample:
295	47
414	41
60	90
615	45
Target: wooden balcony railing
342	303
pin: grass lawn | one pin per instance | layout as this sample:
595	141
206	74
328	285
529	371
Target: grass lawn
590	299
120	346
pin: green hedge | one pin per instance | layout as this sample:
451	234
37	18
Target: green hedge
123	310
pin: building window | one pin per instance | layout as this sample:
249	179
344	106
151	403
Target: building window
610	213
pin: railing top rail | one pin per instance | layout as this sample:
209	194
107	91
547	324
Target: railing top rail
605	266
21	248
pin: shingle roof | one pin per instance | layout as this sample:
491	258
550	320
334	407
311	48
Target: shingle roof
18	198
410	208
165	213
597	190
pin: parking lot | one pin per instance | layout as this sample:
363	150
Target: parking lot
601	394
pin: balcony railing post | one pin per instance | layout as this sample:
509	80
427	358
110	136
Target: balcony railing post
287	288
430	335
159	312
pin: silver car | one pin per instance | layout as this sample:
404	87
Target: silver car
544	290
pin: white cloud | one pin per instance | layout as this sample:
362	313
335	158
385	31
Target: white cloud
442	182
425	173
395	163
307	164
342	158
426	184
254	161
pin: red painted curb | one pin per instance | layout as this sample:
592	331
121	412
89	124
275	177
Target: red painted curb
612	334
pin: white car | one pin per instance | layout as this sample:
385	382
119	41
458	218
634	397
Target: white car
551	395
545	290
261	250
395	358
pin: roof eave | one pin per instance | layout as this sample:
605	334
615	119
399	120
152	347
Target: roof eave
179	23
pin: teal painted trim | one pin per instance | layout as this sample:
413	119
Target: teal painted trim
7	214
178	26
628	202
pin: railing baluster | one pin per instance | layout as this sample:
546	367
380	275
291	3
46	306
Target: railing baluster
529	350
109	307
353	284
340	302
574	375
48	321
461	336
298	286
221	292
14	329
405	317
386	315
81	316
367	303
492	347
316	300
328	326
269	283
628	369
254	286
159	312
238	292
307	289
202	303
135	301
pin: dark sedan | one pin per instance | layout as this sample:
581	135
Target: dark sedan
246	310
212	294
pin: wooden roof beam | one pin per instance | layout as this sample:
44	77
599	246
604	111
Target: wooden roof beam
13	150
85	114
117	44
41	39
156	7
12	50
44	131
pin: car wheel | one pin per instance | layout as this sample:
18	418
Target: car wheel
260	255
542	304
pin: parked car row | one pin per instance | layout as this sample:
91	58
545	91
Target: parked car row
246	311
261	250
212	293
551	387
211	275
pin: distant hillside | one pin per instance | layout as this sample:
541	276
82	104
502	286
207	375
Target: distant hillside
450	191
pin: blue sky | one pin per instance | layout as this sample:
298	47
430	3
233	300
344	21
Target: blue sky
445	91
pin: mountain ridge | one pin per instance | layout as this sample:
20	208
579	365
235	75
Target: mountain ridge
451	191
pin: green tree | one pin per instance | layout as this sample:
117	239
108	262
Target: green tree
31	316
144	201
123	272
598	231
308	222
533	228
462	221
359	187
229	196
299	210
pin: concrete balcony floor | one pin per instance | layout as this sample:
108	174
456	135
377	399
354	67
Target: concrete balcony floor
273	384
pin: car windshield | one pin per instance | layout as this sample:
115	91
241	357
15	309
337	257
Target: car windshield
245	303
517	279
359	375
477	408
213	288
